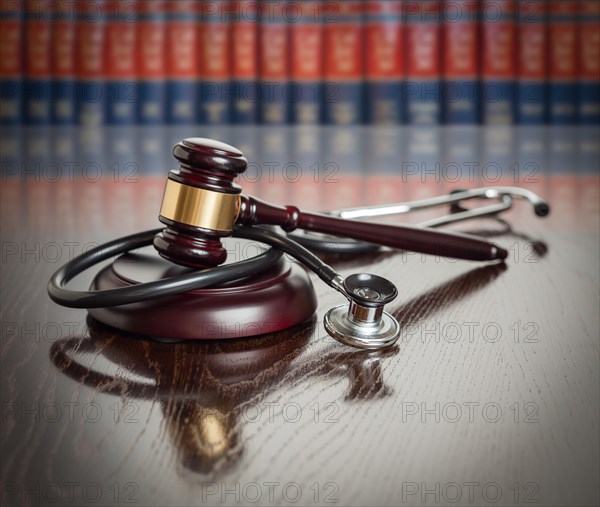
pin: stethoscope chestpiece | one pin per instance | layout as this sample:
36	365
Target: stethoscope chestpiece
364	324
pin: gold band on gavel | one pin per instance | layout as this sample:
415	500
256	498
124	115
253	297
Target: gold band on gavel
199	207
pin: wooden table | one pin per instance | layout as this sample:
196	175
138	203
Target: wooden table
491	396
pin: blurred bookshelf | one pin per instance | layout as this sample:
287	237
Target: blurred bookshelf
300	62
91	180
334	103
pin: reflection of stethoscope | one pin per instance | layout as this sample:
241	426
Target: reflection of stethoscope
205	390
202	205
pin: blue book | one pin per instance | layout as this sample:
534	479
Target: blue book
384	65
38	63
306	68
151	62
215	93
244	64
421	92
532	62
498	62
11	63
90	87
63	65
121	63
589	83
183	62
460	93
563	86
342	91
274	66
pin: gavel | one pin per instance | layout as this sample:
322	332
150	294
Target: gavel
202	204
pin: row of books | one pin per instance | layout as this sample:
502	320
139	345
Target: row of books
112	178
276	62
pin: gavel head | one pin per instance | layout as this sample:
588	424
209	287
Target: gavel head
201	202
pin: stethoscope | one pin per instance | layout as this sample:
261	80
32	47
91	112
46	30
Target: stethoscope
211	210
503	197
363	323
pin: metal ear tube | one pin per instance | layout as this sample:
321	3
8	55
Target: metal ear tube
499	200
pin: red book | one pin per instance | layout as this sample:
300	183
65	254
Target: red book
183	61
151	61
498	61
342	90
38	61
63	63
589	65
273	63
215	70
244	64
460	95
422	89
89	62
532	66
306	69
563	62
120	63
384	65
11	62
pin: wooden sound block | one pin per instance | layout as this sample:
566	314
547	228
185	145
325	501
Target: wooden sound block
280	297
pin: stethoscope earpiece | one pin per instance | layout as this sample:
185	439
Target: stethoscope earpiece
364	324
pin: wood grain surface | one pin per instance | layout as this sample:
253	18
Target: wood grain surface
491	396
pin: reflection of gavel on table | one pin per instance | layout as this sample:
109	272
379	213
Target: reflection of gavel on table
205	389
202	204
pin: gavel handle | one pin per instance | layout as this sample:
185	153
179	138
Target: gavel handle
444	244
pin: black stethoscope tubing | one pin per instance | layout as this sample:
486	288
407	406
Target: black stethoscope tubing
180	283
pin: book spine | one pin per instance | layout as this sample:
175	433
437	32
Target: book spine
273	63
151	62
63	64
589	81
532	62
244	64
563	63
121	62
38	62
306	63
498	61
183	62
215	71
460	93
11	62
384	63
343	86
422	89
90	86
